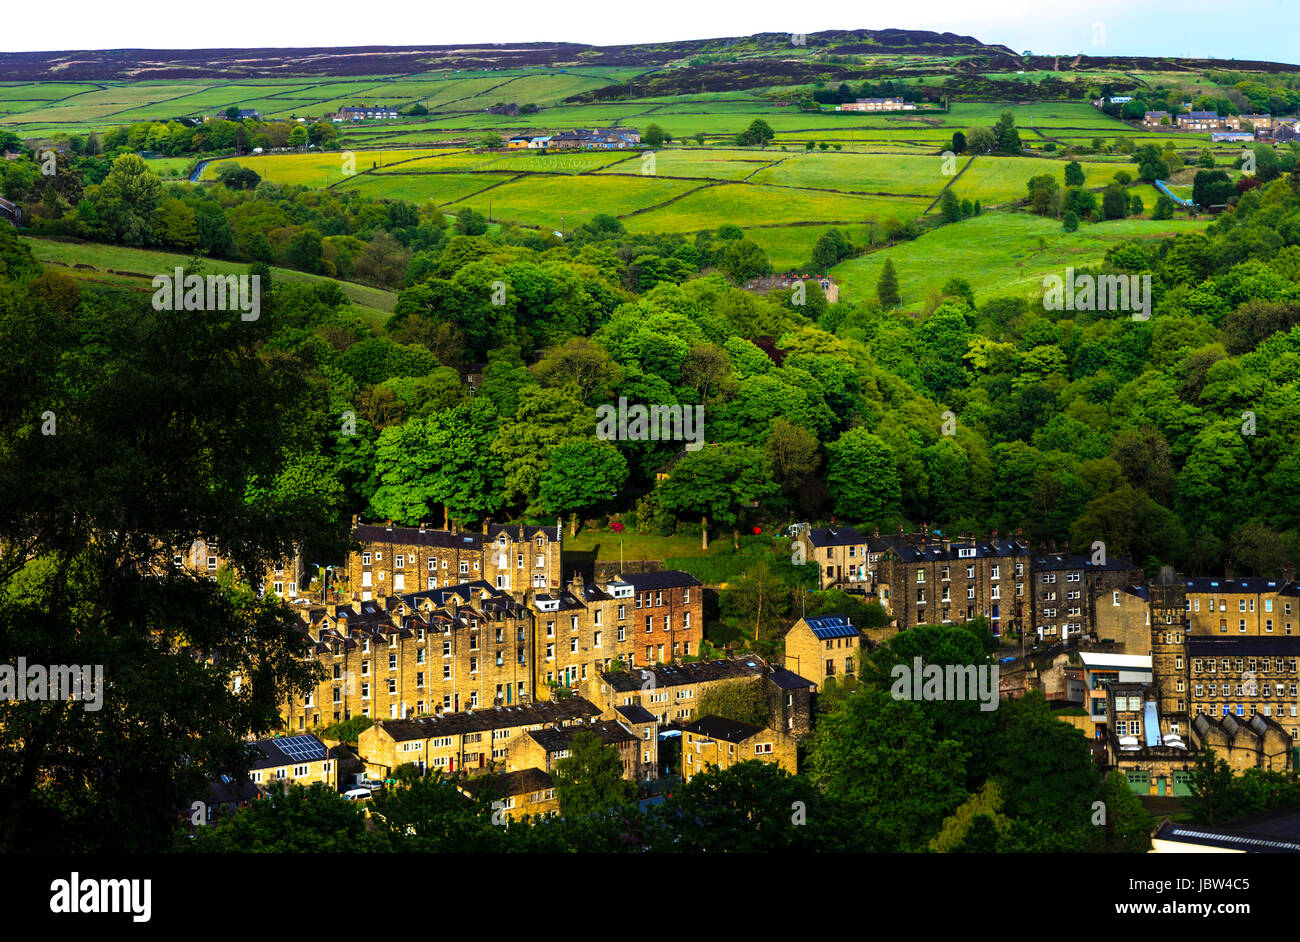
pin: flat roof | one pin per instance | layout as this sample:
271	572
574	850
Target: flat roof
1131	661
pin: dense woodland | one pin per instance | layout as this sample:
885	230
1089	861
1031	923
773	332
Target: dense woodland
1172	439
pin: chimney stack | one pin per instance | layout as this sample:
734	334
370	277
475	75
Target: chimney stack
1227	569
356	521
486	521
422	526
947	545
1288	571
388	525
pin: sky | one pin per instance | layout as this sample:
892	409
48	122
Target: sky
1261	29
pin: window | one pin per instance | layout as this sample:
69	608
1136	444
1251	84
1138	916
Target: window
399	561
762	748
464	568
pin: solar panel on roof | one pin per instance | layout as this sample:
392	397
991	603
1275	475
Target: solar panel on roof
302	748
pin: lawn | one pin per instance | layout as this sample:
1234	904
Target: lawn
1000	254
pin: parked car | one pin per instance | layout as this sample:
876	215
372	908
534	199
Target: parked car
358	794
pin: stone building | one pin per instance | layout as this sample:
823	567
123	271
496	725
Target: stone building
472	741
939	582
1124	618
521	794
393	560
1235	607
717	741
471	645
294	760
824	646
1066	589
544	748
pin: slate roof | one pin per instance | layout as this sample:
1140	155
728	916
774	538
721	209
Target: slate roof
788	680
1050	562
668	579
1214	646
719	727
835	536
634	713
478	721
1253	585
676	675
609	731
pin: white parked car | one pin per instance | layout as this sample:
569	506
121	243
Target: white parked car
358	794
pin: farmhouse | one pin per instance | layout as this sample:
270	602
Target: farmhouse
364	113
1202	121
721	742
877	104
1153	119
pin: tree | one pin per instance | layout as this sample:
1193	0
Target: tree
792	453
652	136
1008	137
304	252
445	459
1074	173
582	474
949	207
1164	208
863	478
716	483
877	752
590	779
1212	798
1128	826
1044	195
298	137
88	512
491	141
981	140
1069	221
292	819
745	260
1151	164
759	132
1114	202
127	201
470	222
887	286
958	142
1212	188
1135	205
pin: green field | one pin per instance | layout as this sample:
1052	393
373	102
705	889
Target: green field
704	163
553	200
314	169
750	205
862	173
442	188
998	253
994	180
134	267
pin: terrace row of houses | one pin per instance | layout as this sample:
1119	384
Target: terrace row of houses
510	753
933	579
579	139
1227	127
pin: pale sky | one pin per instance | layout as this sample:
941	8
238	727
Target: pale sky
1261	29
